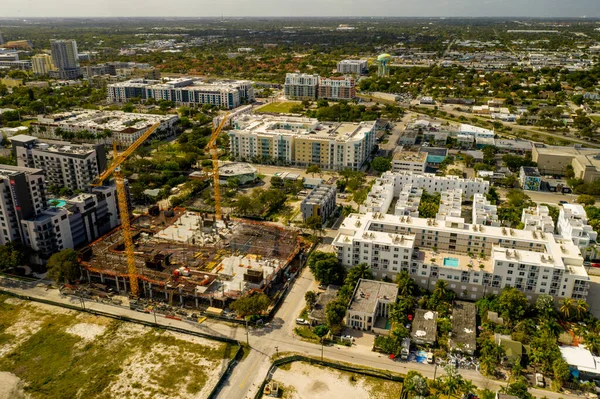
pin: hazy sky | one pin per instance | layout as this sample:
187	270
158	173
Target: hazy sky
206	8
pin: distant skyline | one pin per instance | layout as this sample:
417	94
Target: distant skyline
289	8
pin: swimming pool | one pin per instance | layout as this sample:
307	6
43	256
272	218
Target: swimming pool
452	262
57	203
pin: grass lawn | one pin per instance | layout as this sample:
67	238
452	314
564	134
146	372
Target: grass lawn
278	108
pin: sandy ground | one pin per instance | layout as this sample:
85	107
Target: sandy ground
303	380
11	386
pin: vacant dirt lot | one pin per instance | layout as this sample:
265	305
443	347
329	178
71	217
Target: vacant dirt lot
50	352
303	380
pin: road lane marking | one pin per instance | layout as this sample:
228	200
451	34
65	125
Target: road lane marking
248	374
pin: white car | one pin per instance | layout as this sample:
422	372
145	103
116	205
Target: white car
301	322
430	357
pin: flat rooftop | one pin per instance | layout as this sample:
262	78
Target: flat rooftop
464	327
299	127
57	147
424	326
410	156
368	292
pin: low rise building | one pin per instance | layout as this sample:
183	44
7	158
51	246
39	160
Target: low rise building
530	178
319	202
244	173
552	160
424	327
464	328
356	67
475	131
450	204
408	201
317	315
369	307
411	161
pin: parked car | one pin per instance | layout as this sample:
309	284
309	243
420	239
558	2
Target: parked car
563	202
302	322
430	357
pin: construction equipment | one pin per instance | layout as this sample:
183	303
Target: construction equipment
214	152
115	170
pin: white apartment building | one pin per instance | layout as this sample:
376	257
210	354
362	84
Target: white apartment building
475	131
408	201
409	161
185	90
64	164
390	185
105	126
537	218
356	67
484	212
301	141
450	204
370	307
475	260
573	223
301	86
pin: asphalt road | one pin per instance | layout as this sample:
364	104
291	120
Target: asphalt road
278	337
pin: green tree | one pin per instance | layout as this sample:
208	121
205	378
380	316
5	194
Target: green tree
321	331
334	315
311	298
11	256
381	164
362	270
586	199
315	223
561	371
251	305
64	266
326	268
544	305
518	389
566	307
513	304
313	169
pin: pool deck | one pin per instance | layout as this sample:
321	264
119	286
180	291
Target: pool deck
463	260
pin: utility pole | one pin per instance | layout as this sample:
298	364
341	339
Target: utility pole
277	351
247	336
154	312
321	348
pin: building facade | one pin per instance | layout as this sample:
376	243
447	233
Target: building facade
42	64
337	88
64	164
370	306
319	202
65	59
186	91
301	141
356	67
301	86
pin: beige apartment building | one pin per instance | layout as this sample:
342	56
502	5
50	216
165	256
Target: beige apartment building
553	160
301	141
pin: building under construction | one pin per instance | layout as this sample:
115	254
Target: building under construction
190	259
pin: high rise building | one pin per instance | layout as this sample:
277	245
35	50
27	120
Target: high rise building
64	164
65	59
42	64
22	196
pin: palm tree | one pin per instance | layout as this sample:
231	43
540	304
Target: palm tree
581	308
566	307
441	288
406	285
468	387
363	270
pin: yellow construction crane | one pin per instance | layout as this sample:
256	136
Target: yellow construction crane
115	170
214	151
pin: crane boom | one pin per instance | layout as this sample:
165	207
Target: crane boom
120	158
214	152
114	169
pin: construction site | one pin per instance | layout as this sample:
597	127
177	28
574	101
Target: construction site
194	260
